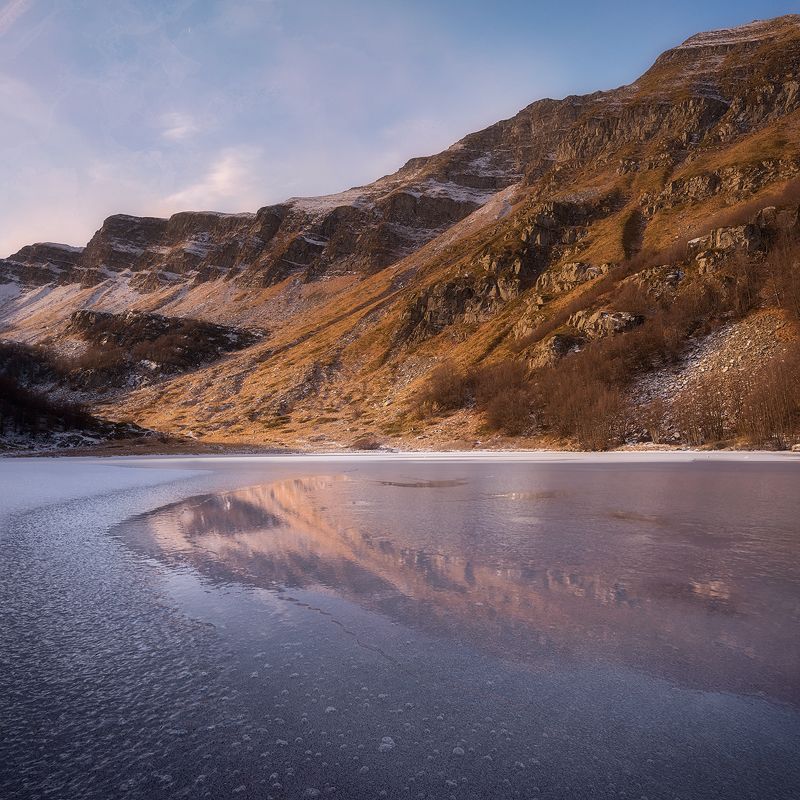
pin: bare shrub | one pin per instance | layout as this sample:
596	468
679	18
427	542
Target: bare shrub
633	297
510	411
503	393
770	405
602	424
652	416
746	281
447	388
699	412
782	268
576	404
101	358
492	379
695	306
26	411
366	443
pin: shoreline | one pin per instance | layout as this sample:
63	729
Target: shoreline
443	456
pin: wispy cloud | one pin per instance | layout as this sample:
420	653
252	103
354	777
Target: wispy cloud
11	12
231	178
148	108
177	126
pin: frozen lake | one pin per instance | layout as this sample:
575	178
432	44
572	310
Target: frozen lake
561	627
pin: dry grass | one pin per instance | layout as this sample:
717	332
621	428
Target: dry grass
772	142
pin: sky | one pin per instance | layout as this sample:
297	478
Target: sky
156	106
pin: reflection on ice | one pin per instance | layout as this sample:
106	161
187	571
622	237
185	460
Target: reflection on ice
541	580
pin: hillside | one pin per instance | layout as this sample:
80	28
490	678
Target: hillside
609	269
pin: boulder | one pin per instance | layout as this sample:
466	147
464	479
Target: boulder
774	219
550	350
568	276
657	280
711	250
597	324
747	238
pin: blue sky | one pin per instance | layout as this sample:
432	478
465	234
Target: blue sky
156	106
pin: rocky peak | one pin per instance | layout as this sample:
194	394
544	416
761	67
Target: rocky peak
40	263
712	44
59	255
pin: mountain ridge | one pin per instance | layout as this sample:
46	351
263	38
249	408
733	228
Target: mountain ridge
463	254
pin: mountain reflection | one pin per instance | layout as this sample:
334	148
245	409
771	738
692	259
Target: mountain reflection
536	593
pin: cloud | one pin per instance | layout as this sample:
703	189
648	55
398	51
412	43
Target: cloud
177	126
149	108
20	105
231	179
11	12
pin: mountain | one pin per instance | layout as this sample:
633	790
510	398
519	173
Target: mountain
607	268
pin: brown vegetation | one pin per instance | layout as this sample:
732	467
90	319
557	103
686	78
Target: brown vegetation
582	396
447	389
782	273
503	393
118	344
366	443
741	213
500	391
577	404
769	408
762	409
699	413
23	411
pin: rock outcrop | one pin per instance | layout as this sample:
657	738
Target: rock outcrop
568	276
596	324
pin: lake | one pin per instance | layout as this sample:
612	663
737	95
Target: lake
553	627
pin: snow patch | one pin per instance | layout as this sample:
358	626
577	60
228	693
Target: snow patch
124	247
486	167
326	203
9	291
455	191
315	241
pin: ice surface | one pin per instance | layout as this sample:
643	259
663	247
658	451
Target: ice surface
133	670
34	482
